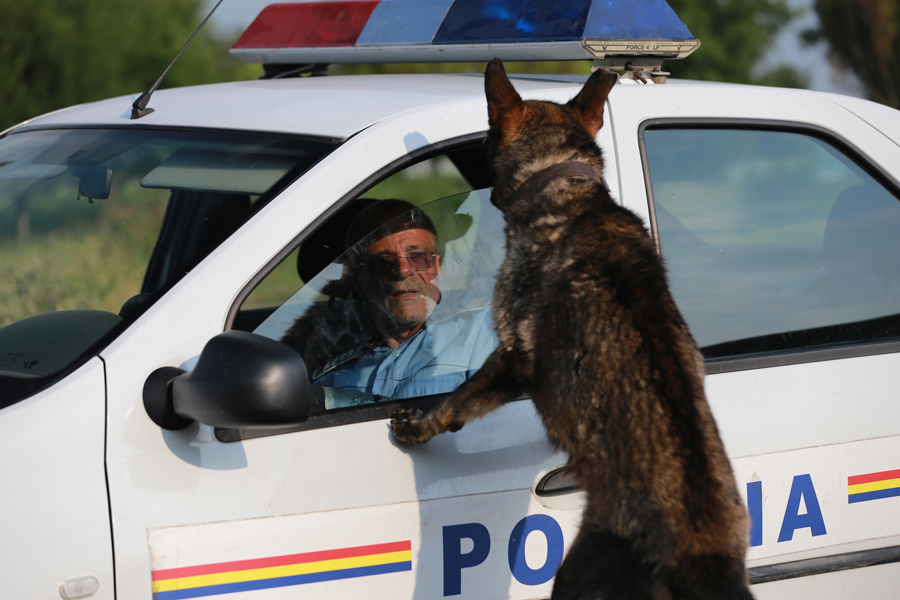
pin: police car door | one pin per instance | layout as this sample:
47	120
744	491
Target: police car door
341	509
780	243
54	506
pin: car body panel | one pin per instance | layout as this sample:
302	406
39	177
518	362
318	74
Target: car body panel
329	106
54	509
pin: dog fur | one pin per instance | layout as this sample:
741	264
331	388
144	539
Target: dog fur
589	329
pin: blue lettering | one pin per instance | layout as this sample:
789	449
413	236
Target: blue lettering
520	569
754	506
455	561
802	487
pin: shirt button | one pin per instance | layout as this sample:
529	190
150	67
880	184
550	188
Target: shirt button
396	353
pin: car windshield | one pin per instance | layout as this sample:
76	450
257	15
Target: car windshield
95	224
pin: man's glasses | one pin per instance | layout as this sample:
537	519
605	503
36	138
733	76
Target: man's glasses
386	263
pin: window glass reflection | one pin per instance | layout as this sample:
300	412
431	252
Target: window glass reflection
774	240
405	311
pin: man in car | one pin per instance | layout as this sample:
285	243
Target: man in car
379	340
398	273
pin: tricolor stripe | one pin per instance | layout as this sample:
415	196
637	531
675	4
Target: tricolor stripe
281	571
873	486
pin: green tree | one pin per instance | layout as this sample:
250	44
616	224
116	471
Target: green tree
864	37
734	35
55	53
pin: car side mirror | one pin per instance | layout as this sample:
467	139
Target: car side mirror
241	380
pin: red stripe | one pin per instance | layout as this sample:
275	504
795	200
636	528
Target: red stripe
872	477
280	561
307	24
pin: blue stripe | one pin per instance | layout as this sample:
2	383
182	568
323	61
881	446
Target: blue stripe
634	20
246	586
500	21
876	495
404	22
754	507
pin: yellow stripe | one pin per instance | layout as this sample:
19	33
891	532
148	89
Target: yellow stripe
321	566
887	484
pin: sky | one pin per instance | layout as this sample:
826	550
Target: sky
236	15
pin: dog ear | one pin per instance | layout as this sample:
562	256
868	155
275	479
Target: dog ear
506	110
588	104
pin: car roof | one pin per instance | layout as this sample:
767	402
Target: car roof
340	106
333	106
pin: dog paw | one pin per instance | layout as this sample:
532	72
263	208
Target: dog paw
407	425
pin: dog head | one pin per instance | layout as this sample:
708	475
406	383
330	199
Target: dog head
528	136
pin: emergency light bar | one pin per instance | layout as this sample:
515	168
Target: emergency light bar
612	32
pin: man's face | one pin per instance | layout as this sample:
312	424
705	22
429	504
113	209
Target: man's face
400	275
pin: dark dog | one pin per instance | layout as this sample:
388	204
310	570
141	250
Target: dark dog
589	329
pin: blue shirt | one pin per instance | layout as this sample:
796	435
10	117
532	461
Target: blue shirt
436	360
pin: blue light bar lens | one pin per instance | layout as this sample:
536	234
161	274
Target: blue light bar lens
491	21
634	20
404	22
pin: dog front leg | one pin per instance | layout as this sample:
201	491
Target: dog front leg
493	385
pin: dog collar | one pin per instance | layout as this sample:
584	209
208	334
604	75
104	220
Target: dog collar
542	179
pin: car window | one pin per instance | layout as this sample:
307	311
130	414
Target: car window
774	241
437	177
96	224
404	312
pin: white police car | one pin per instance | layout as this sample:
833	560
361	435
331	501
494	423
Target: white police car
226	209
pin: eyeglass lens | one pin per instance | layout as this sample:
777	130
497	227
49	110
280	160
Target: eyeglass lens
419	261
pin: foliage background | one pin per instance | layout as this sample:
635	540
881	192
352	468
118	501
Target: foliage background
734	35
56	53
863	37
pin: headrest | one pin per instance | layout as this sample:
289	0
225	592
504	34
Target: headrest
861	234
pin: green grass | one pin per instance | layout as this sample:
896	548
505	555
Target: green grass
65	272
95	265
277	287
431	181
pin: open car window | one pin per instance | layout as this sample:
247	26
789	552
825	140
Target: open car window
458	170
333	321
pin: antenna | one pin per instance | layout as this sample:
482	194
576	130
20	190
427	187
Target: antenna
139	108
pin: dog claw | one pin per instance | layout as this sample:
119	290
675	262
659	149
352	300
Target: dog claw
406	424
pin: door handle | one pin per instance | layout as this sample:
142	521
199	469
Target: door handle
557	481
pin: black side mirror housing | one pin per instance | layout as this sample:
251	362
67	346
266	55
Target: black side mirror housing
241	380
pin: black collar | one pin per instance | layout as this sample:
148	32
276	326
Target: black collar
537	182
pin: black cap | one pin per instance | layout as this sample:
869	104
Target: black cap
386	217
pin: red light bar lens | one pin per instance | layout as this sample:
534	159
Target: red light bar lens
307	24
